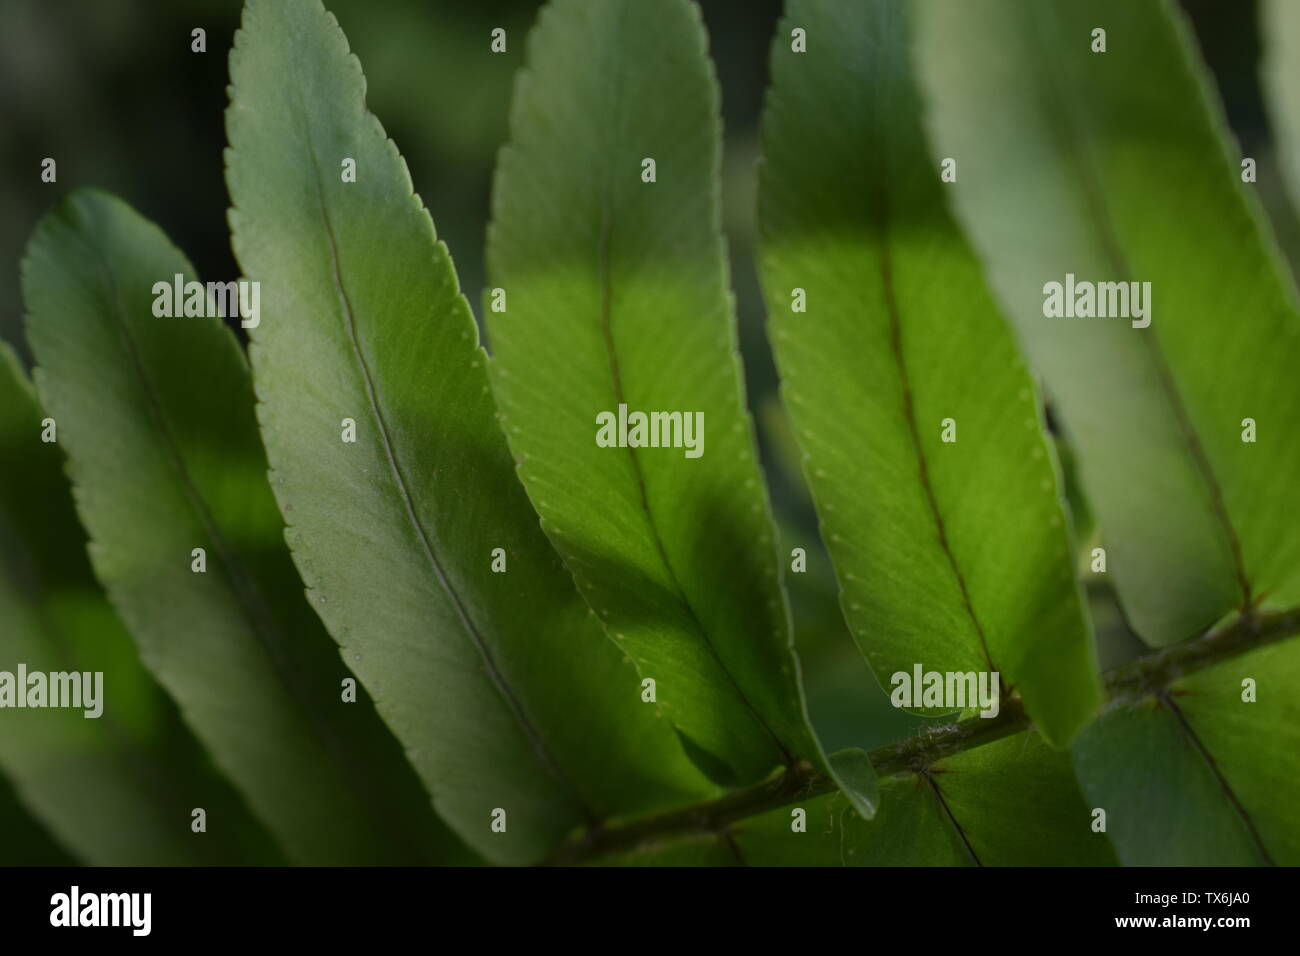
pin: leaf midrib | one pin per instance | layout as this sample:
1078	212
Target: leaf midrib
878	86
1166	698
643	495
928	776
881	86
909	414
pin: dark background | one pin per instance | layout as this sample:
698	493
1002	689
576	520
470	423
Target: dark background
112	91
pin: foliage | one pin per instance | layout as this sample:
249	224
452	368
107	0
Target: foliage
371	595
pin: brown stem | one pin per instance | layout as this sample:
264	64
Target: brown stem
1149	674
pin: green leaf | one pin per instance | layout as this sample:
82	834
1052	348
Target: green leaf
118	788
954	555
771	839
500	685
1013	802
622	284
1200	776
156	417
1081	163
911	828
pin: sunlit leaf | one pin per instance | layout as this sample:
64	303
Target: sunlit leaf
605	242
923	444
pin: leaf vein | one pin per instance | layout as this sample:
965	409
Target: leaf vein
947	811
1166	698
603	242
909	414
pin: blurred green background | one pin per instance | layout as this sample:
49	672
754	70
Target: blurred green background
112	91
